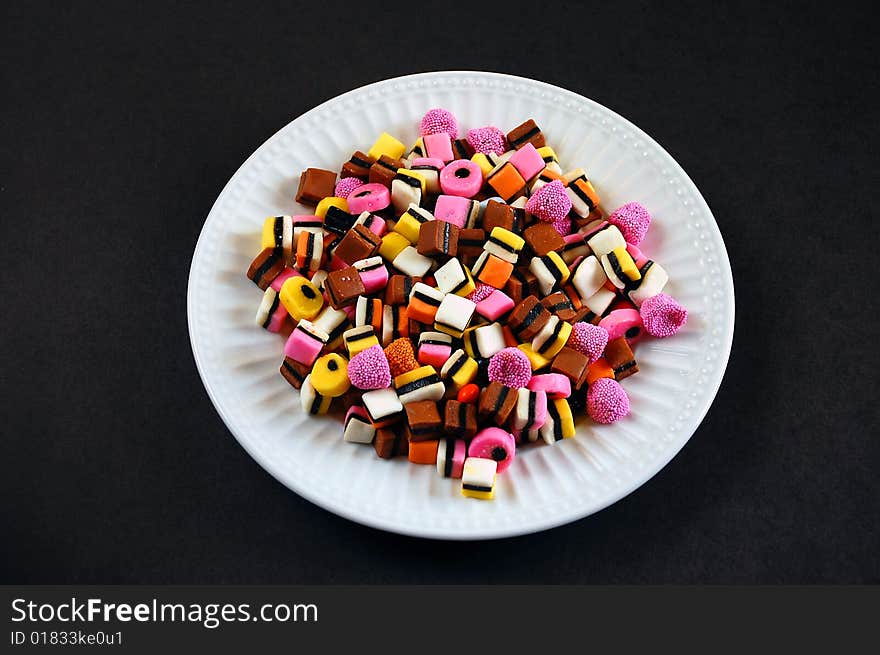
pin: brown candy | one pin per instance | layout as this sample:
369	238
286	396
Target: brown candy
438	238
294	372
620	357
461	149
423	420
470	244
343	287
528	132
543	238
358	243
266	267
460	419
496	403
522	283
498	214
570	363
389	442
586	315
398	289
528	318
315	184
596	214
358	166
560	304
384	170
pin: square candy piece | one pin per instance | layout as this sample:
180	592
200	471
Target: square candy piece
460	419
423	419
452	209
527	161
528	132
438	237
343	287
542	238
315	184
454	314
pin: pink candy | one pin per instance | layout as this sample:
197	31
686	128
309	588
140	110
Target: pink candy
510	367
623	323
562	225
371	197
589	340
346	185
494	443
461	178
632	219
438	146
607	401
527	161
555	384
662	315
550	203
488	140
437	121
369	369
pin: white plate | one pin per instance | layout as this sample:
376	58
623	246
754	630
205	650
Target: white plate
546	486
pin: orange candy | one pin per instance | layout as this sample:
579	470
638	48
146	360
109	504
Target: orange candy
599	369
468	393
401	357
507	182
495	272
419	310
423	452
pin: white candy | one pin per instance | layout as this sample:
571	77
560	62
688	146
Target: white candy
434	390
381	403
588	277
523	417
358	430
479	473
309	398
489	339
435	337
547	332
319	278
473	214
431	175
548	431
451	276
455	312
573	175
606	240
402	194
267	307
546	280
500	251
599	301
572	251
389	323
450	364
411	262
653	281
317	251
329	320
609	271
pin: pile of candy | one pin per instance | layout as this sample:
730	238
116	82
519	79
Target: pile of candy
461	298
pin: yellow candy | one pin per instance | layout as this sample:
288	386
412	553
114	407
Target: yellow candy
483	162
410	223
537	360
459	371
330	375
411	376
418	149
478	478
301	298
392	244
627	265
387	145
551	347
563	421
560	265
359	338
548	154
330	201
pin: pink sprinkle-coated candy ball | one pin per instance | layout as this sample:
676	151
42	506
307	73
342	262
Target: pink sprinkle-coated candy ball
633	220
346	185
510	367
480	292
369	369
662	315
589	340
439	120
563	226
488	140
550	203
607	401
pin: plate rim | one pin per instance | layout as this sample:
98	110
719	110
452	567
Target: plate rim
499	532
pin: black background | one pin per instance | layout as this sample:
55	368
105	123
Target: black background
121	124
